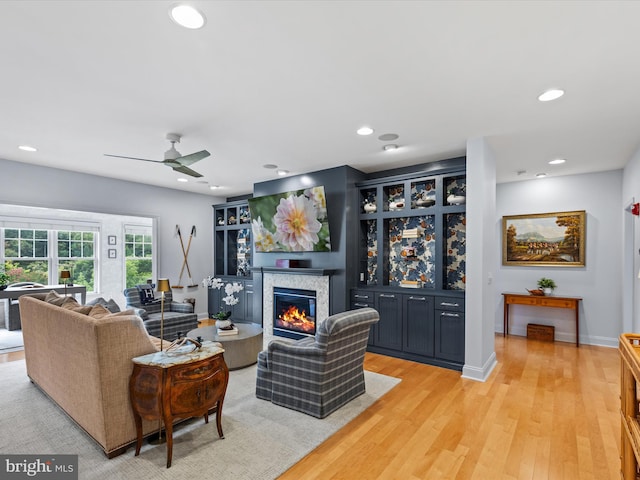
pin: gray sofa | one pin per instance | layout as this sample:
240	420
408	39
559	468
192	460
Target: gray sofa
178	317
317	375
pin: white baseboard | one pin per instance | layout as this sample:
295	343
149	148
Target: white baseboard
480	374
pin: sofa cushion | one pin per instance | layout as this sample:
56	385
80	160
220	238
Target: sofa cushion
55	298
110	304
101	312
74	306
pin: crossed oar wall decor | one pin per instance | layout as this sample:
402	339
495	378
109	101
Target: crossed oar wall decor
185	259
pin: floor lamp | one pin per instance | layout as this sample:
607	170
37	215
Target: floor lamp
65	275
163	286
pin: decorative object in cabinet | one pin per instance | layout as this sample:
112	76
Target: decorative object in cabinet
455	264
456	188
372	252
423	193
232	239
421	267
394	196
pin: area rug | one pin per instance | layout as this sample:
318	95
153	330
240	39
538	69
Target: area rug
261	440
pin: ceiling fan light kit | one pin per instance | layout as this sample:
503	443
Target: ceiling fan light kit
173	158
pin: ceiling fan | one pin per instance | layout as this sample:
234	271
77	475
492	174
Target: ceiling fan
173	158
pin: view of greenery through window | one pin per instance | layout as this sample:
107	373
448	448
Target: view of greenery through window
138	253
28	258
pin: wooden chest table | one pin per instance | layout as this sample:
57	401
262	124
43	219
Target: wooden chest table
182	383
541	301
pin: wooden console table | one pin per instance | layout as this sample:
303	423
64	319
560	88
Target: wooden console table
541	301
629	348
183	383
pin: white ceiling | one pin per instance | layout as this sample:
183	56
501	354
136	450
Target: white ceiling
288	83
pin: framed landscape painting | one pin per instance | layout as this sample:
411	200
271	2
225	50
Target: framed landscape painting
544	239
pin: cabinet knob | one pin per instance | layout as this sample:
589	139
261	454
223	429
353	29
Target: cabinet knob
447	314
449	304
384	295
422	299
361	296
360	305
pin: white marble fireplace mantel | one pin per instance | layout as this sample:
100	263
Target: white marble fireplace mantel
292	278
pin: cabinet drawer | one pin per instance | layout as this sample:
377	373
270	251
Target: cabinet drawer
450	303
556	302
360	297
195	371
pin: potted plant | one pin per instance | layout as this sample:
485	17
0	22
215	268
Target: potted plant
222	317
547	285
4	280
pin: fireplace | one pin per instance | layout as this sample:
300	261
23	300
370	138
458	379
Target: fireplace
294	312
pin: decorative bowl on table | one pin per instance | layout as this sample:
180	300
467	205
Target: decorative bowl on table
536	292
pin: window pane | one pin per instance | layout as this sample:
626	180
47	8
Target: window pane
87	236
75	235
63	235
10	248
63	249
41	234
26	248
26	234
11	233
138	271
41	249
28	271
76	249
87	250
82	272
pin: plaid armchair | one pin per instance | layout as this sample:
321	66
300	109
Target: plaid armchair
318	375
178	317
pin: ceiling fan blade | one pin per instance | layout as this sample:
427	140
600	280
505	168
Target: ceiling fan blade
192	158
133	158
187	171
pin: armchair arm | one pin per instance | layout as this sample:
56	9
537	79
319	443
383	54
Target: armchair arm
141	312
181	307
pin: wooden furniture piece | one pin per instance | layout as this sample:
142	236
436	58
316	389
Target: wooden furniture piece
629	347
541	301
240	350
182	383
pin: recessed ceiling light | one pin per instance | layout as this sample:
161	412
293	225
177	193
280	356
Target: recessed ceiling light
214	187
541	175
557	161
551	94
390	147
270	166
364	131
27	148
187	16
282	173
183	180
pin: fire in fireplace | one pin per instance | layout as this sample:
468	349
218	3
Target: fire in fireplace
294	312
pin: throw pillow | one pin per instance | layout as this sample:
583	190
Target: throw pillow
110	305
146	294
55	298
101	312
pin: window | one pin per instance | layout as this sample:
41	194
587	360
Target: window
138	252
26	255
76	254
38	255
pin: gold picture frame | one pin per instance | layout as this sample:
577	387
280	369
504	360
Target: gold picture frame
554	239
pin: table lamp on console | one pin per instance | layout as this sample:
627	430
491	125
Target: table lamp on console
65	275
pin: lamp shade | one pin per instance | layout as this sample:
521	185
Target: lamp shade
65	274
163	285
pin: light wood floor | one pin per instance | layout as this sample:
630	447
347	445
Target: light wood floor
548	411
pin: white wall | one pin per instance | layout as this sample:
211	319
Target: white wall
32	185
480	357
631	250
599	283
